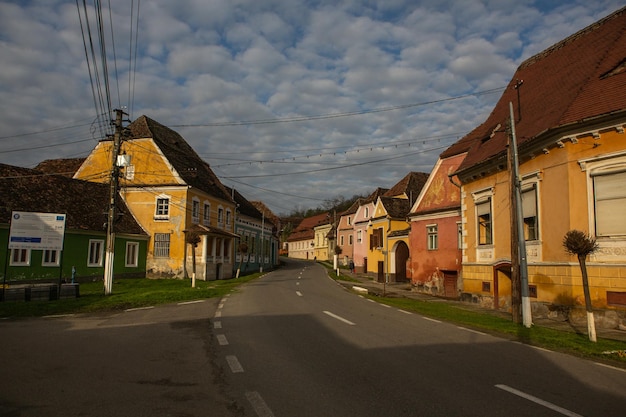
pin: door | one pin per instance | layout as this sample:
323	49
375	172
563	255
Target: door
402	254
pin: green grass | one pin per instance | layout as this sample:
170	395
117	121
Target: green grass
127	293
553	339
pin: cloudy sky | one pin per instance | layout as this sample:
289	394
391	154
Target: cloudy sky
292	102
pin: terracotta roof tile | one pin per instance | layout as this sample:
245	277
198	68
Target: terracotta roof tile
579	78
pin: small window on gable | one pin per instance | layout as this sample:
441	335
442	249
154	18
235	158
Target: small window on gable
162	209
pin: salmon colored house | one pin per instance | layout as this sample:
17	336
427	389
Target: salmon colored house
173	194
436	231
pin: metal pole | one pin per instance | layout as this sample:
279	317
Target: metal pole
523	266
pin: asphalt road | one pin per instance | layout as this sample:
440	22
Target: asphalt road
153	362
294	343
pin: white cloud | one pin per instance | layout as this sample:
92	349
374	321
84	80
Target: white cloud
206	61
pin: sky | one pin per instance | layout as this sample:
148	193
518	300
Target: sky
291	102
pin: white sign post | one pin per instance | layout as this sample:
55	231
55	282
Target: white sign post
43	231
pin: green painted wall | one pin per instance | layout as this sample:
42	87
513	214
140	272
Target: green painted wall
75	254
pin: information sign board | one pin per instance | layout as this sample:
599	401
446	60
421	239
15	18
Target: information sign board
31	230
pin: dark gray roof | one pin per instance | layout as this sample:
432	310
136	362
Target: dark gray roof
85	203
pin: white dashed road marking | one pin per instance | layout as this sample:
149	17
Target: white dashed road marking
339	318
538	401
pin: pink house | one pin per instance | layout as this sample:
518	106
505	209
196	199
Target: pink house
435	237
362	216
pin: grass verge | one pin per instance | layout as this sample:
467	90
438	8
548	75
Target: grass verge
127	293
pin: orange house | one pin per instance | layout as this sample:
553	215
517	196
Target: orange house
173	194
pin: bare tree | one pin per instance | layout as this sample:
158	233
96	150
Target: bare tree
581	244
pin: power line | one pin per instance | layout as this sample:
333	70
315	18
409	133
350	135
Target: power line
337	115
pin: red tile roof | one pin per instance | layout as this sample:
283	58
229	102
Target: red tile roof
582	77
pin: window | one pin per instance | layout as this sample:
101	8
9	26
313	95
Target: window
220	215
529	212
483	214
95	253
359	236
195	211
431	231
132	254
459	235
20	257
350	240
50	258
609	195
349	220
341	240
228	217
161	245
206	214
367	212
162	211
376	238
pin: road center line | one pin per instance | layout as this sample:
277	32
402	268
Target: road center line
339	318
299	293
221	339
261	409
234	364
538	401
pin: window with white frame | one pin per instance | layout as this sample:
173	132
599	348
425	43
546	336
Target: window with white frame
350	240
529	212
228	217
432	237
484	222
367	212
220	216
132	254
195	211
20	257
341	240
162	209
459	235
94	257
50	258
609	200
161	245
349	220
206	214
359	236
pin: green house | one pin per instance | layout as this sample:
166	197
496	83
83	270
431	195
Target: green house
85	206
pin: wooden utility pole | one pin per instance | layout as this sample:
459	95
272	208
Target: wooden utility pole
521	242
114	182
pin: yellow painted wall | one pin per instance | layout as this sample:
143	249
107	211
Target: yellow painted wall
564	201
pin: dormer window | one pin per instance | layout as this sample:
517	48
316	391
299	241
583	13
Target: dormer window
162	209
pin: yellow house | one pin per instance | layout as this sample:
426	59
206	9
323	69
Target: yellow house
321	244
570	128
173	194
388	229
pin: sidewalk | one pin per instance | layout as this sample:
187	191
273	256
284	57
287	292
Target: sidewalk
367	284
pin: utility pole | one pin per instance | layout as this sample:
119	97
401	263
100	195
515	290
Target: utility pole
521	242
262	260
114	181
